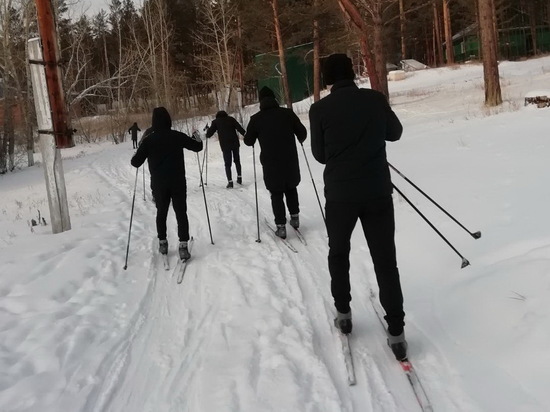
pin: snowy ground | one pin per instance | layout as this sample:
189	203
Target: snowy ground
250	327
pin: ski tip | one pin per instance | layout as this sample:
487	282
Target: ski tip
476	235
464	263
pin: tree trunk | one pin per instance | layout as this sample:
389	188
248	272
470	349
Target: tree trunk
353	14
380	55
240	73
402	28
449	52
282	57
437	35
531	10
316	56
493	96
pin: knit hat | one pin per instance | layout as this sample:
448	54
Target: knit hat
338	67
266	92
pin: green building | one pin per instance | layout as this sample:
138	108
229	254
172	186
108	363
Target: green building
513	43
299	68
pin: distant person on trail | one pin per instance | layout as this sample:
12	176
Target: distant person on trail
276	128
349	130
133	131
227	128
162	148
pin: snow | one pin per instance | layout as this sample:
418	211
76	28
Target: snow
249	329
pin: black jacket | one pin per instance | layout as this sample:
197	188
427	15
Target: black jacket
162	148
349	129
227	128
275	128
133	130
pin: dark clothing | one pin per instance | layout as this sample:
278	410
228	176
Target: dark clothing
227	128
377	220
348	133
178	195
228	156
349	129
278	204
275	128
133	131
162	148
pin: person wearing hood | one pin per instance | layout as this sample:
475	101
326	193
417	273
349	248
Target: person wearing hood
227	128
133	131
349	130
277	128
163	148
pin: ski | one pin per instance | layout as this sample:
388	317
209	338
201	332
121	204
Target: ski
285	241
165	262
182	264
348	357
300	236
406	366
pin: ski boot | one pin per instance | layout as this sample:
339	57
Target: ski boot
398	345
229	184
239	180
281	231
163	247
295	221
184	251
343	322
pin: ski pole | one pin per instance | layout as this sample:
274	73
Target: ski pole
256	193
205	204
475	235
144	183
131	218
206	167
464	260
201	166
314	187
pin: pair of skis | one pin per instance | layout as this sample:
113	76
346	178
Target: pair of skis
181	265
406	365
286	242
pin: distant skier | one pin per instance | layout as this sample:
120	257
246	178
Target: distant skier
277	128
133	131
349	129
227	128
162	148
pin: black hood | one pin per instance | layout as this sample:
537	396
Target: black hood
268	103
221	113
161	119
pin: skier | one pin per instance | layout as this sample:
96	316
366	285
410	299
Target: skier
133	131
275	128
162	148
227	128
349	128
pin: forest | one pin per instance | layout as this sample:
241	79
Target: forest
197	56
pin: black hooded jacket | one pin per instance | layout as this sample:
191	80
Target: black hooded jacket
275	128
227	128
162	148
349	129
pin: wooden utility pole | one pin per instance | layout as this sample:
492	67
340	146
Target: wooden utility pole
53	120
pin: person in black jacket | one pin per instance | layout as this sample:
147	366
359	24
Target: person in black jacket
227	128
133	131
162	148
275	128
349	130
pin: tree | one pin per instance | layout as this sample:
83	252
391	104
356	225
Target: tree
493	96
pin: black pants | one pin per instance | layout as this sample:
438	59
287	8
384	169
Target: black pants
134	143
178	196
228	155
377	219
278	204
